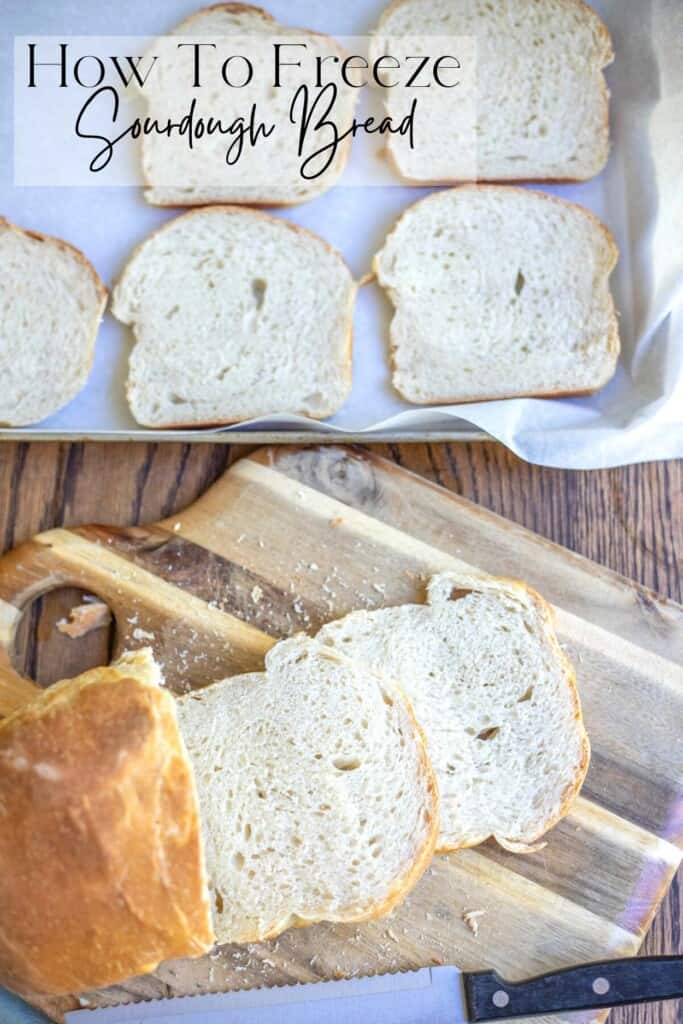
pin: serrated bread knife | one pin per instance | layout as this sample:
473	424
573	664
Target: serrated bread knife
433	995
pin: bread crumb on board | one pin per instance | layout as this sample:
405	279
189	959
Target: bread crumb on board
142	634
471	919
84	619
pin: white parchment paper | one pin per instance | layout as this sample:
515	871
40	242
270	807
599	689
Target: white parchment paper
638	417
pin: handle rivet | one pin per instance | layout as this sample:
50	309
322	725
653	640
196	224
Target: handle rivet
500	999
601	986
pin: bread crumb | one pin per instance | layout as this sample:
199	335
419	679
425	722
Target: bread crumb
471	919
337	521
84	619
142	634
516	847
256	594
176	527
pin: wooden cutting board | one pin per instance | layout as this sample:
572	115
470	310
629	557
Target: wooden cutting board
290	538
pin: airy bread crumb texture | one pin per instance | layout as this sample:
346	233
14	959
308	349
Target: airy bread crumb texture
499	292
541	108
236	314
317	799
51	304
496	698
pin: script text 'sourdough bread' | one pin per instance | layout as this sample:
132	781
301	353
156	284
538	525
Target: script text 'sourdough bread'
496	698
499	292
267	172
236	314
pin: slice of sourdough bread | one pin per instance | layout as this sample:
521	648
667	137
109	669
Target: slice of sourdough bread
496	698
51	304
499	292
269	172
317	798
101	867
541	103
236	314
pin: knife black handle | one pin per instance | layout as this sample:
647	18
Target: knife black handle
589	987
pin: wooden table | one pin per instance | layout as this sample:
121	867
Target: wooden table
630	520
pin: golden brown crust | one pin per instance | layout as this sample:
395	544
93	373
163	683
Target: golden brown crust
101	867
606	59
613	341
546	614
233	208
232	8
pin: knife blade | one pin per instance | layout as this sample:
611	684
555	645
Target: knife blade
432	995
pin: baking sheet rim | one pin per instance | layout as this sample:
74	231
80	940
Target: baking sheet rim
248	437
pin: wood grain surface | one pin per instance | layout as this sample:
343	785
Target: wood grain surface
630	520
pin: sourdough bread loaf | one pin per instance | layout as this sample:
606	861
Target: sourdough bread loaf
236	314
51	304
317	798
496	697
269	171
540	105
499	292
101	866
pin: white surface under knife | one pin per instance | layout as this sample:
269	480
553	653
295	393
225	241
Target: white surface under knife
433	995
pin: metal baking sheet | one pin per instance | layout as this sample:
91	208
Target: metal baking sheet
634	418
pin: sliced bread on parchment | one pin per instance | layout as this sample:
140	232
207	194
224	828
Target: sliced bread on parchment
541	103
495	696
499	292
316	794
269	172
236	314
101	867
51	304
